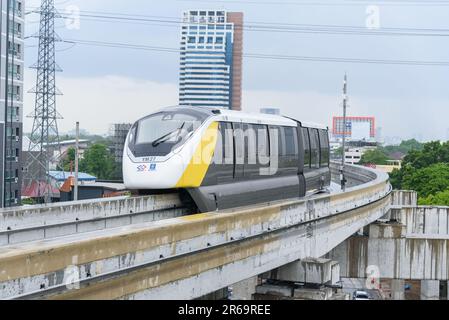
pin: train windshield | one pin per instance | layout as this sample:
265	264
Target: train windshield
161	133
164	128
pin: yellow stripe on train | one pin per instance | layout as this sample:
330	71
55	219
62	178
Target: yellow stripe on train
197	169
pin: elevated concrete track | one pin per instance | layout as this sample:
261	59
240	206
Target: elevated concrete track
191	256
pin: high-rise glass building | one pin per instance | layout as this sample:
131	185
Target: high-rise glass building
211	59
11	100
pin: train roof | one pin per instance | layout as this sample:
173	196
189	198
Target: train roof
234	115
275	119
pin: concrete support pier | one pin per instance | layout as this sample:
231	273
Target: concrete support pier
397	289
430	290
309	271
244	290
307	279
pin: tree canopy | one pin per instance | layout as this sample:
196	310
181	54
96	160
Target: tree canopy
440	199
68	163
427	172
376	156
99	162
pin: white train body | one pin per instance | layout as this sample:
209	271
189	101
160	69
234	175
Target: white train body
176	149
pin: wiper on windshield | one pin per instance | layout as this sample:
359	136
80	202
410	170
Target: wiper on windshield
167	136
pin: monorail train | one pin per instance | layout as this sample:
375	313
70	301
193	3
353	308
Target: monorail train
220	159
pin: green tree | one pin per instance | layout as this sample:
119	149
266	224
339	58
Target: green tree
404	148
376	156
427	181
396	179
409	145
338	152
439	199
430	154
99	162
68	162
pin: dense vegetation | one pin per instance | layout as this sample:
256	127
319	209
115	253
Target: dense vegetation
427	172
381	155
97	161
376	156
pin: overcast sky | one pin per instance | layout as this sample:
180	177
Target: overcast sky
106	85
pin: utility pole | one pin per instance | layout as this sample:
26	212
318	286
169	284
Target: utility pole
77	152
345	105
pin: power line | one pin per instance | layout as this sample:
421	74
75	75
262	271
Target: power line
144	47
273	27
178	21
334	3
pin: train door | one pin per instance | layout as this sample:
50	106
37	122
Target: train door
314	159
239	143
226	163
301	160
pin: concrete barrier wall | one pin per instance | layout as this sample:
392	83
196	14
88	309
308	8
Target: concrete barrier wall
53	214
429	222
403	198
355	175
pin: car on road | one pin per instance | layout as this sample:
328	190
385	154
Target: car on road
360	295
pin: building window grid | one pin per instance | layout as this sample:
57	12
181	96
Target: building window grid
194	62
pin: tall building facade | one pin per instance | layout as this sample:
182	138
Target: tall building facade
11	100
211	59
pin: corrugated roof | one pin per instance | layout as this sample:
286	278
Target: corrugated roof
62	176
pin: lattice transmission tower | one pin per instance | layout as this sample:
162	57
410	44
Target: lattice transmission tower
44	148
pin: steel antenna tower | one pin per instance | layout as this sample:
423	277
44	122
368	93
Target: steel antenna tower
44	148
345	106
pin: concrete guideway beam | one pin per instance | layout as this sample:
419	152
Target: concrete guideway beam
222	266
51	221
192	256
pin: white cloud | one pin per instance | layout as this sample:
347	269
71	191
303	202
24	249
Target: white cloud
98	102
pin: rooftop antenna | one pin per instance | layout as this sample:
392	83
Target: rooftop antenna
343	161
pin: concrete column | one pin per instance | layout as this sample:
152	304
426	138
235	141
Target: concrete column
397	289
310	271
430	290
244	290
447	291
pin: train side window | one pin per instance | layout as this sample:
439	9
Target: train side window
306	143
239	143
314	148
291	141
250	135
227	143
275	147
262	142
324	145
281	142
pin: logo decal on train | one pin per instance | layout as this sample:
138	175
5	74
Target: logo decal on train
143	167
